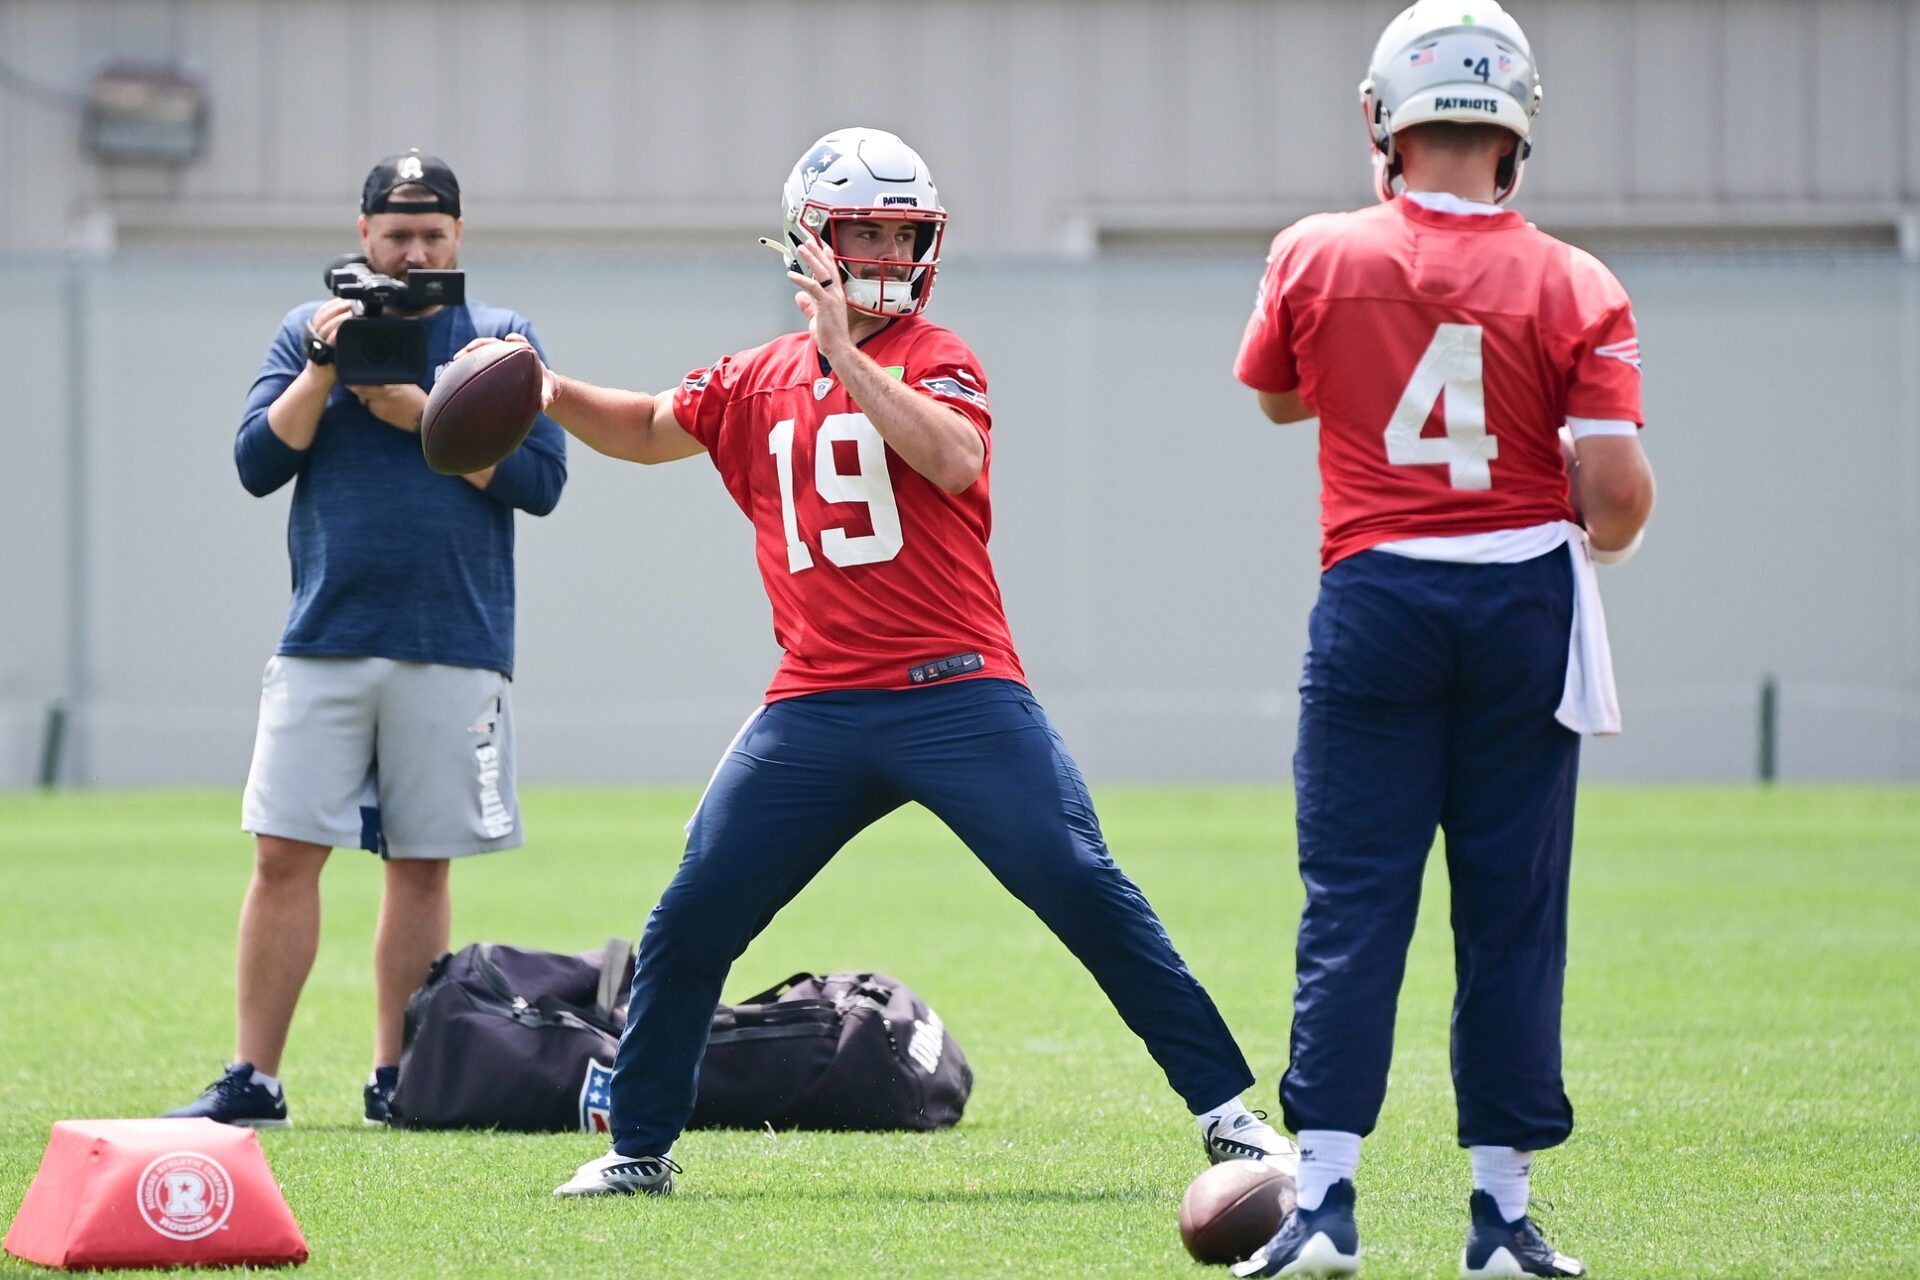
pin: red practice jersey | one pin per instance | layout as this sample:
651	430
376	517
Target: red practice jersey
871	568
1442	351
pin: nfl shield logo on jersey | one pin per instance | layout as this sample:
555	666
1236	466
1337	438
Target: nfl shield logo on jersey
596	1098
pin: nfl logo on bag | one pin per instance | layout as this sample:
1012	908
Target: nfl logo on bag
596	1102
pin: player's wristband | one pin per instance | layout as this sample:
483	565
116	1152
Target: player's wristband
1621	556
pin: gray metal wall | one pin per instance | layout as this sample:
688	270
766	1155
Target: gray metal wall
1155	539
1052	124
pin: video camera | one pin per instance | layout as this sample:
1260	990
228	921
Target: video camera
373	349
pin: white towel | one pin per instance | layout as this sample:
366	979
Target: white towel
1590	702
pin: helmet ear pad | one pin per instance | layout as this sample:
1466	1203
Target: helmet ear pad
1509	168
1506	176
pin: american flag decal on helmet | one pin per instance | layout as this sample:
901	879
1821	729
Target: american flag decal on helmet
1626	352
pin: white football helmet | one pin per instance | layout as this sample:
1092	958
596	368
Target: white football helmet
1464	60
853	174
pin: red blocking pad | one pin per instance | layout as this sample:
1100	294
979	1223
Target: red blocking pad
154	1193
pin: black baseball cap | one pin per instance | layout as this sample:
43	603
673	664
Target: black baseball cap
411	169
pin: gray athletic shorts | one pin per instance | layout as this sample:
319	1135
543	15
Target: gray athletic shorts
408	759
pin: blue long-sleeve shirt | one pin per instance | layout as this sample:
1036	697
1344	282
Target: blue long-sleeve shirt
391	559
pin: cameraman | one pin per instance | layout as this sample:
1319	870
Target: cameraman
385	716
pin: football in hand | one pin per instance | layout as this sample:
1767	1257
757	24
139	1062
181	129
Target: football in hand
1232	1209
481	408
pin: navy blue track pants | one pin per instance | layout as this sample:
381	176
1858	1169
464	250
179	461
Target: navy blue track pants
809	773
1428	701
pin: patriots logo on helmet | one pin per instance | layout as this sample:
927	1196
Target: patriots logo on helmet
818	161
596	1098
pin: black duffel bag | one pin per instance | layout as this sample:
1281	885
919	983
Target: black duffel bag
843	1051
505	1038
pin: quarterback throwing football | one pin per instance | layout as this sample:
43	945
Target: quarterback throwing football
860	447
1457	650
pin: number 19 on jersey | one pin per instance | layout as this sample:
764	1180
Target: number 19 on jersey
871	484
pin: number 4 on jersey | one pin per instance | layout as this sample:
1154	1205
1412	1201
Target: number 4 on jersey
1452	366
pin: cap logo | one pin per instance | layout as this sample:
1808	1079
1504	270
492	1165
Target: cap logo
409	169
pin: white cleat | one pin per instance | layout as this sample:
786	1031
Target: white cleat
1248	1136
616	1175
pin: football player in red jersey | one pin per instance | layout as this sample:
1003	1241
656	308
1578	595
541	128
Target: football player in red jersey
1457	650
860	447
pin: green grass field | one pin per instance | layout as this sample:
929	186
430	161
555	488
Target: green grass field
1743	1043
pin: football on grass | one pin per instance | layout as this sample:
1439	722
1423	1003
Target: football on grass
1232	1209
481	408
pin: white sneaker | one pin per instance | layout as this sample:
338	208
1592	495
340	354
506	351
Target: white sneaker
616	1175
1248	1136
